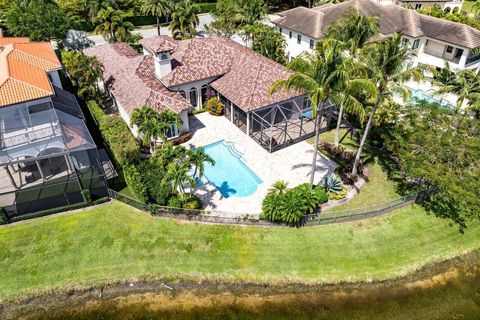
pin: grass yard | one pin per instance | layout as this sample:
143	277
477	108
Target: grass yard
115	242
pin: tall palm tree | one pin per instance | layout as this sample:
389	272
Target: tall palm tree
111	24
184	21
149	124
94	6
157	8
321	76
355	31
465	84
387	68
178	177
197	158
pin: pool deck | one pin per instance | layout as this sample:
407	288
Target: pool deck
291	164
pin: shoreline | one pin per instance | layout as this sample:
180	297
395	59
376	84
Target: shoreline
428	277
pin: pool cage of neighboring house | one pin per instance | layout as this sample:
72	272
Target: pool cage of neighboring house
276	127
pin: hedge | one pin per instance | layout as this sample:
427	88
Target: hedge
133	178
122	144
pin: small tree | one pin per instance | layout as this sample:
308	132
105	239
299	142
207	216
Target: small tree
184	21
157	8
267	41
111	24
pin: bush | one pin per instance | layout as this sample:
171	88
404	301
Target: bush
193	202
214	106
345	159
125	148
134	181
321	194
174	202
86	196
339	195
206	7
3	216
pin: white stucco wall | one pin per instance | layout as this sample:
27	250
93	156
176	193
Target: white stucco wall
293	48
197	85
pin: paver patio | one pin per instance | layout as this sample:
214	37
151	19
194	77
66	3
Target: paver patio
291	164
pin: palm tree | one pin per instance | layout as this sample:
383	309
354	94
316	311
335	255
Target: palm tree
148	122
184	21
386	64
465	84
94	6
197	158
321	76
111	24
355	31
178	177
156	8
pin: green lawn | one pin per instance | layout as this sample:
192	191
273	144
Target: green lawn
115	242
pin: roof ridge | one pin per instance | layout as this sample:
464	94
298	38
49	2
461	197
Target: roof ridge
252	93
15	46
32	86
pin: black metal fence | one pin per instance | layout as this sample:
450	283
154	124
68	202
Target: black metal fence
214	216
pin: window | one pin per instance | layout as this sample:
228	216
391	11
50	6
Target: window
164	56
416	43
280	29
299	38
183	94
290	34
312	43
449	49
172	131
205	93
418	6
405	42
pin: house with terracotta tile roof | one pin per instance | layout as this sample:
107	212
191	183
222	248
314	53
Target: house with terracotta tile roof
182	75
435	41
47	155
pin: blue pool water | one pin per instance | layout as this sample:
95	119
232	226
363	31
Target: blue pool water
421	95
230	175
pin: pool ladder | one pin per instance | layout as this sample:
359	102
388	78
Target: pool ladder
231	147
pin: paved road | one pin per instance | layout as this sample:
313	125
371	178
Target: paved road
146	33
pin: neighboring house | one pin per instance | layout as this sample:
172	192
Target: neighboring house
47	156
435	41
181	75
447	5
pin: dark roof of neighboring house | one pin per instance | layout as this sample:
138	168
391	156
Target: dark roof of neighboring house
130	76
393	18
243	76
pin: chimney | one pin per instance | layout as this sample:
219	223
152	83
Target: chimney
163	63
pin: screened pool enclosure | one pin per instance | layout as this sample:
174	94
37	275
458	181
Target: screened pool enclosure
278	126
47	156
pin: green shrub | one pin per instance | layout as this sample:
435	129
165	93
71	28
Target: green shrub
321	195
332	183
101	200
47	212
206	7
96	111
339	195
309	200
192	202
133	178
174	202
214	106
86	196
3	216
153	208
125	148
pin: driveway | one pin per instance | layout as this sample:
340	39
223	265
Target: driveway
204	19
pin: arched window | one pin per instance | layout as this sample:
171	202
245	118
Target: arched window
164	56
204	94
193	97
183	94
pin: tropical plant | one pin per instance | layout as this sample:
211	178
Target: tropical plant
310	200
192	202
465	84
134	180
95	6
177	175
386	61
111	24
37	19
272	204
84	71
157	8
197	158
184	21
153	124
77	40
323	77
332	183
252	11
232	15
214	106
338	195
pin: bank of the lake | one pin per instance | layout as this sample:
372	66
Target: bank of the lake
115	242
446	290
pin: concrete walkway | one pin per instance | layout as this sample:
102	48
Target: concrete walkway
291	164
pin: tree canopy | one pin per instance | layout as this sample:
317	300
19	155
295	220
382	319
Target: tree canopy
267	41
40	20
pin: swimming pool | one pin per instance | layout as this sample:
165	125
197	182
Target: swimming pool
418	94
230	175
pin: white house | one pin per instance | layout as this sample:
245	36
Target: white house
435	41
446	5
